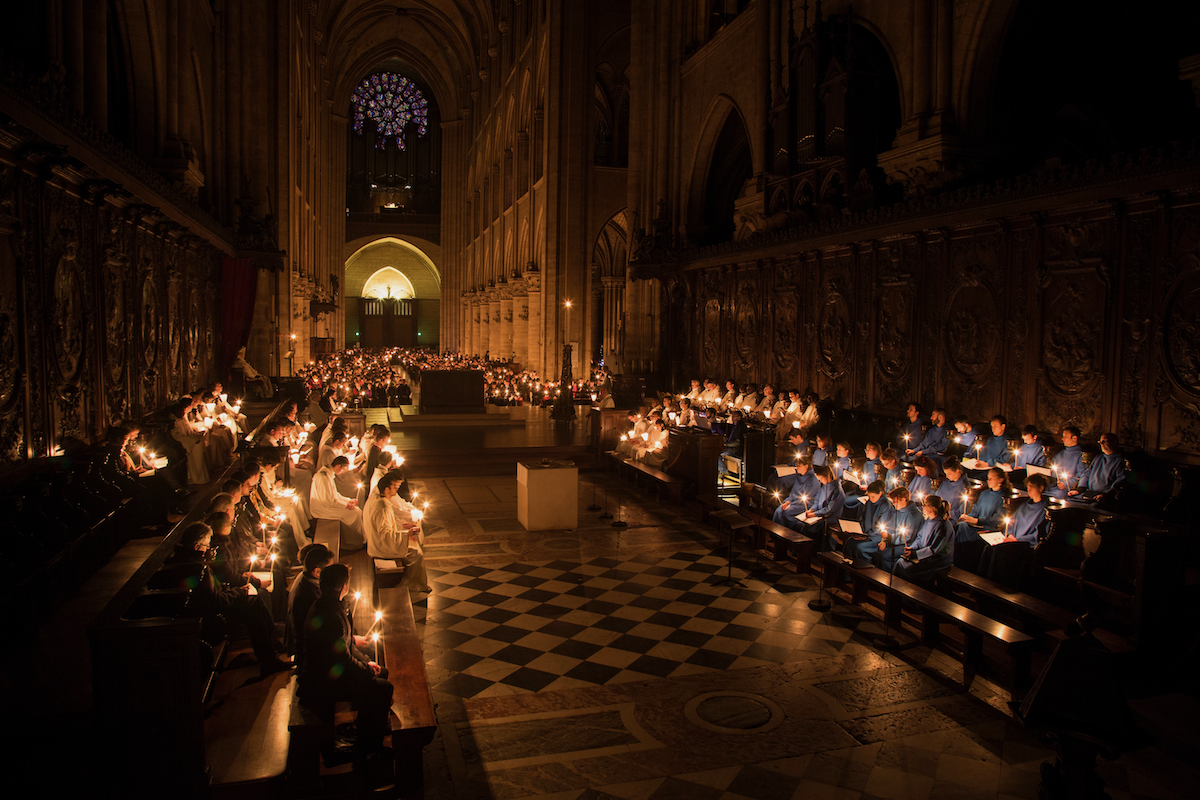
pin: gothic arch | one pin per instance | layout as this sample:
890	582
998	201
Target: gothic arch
723	113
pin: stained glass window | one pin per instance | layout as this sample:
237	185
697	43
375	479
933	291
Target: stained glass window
392	102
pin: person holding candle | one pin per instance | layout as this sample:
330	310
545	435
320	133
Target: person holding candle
913	430
211	597
823	455
1011	561
190	436
1068	466
1105	473
922	484
875	512
994	452
893	473
932	549
897	530
326	502
391	537
872	469
800	492
953	489
826	508
933	445
653	448
303	594
986	514
334	668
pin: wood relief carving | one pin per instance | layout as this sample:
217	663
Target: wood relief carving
712	333
972	331
834	332
785	328
67	320
894	325
149	322
1071	340
1181	328
746	326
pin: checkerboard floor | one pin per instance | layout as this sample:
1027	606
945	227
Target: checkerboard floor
557	625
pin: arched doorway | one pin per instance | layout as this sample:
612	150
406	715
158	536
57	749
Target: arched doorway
393	294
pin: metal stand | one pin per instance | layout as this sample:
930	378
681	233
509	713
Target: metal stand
736	522
594	506
821	604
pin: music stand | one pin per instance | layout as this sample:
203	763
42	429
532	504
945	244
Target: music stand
736	522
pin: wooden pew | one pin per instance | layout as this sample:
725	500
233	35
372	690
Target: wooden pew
329	533
639	474
413	719
936	610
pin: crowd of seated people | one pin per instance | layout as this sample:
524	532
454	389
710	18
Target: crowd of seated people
913	495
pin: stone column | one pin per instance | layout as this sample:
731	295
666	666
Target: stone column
485	326
495	334
520	324
614	307
536	354
504	347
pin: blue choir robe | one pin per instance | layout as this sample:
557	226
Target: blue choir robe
902	525
1030	454
830	503
968	546
802	485
952	492
839	466
967	440
914	431
1011	562
934	444
894	478
934	551
1104	474
1071	470
821	458
870	516
921	486
995	451
872	471
1026	520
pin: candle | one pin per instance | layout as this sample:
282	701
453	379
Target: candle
357	595
417	514
375	640
804	497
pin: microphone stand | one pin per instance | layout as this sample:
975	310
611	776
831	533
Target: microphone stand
594	506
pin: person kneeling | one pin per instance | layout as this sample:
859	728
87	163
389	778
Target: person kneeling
333	668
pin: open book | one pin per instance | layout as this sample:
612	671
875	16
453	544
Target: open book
851	528
783	469
1033	469
971	463
992	537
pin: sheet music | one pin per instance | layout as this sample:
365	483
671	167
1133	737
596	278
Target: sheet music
1033	469
381	563
783	469
992	537
160	463
971	463
851	527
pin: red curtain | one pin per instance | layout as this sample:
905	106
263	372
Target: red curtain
239	282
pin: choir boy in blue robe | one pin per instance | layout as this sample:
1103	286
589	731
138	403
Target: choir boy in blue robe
1067	463
1030	453
841	462
994	451
826	507
1105	473
922	485
1011	560
911	431
893	473
932	551
875	512
964	434
987	514
873	468
897	530
823	456
936	439
788	454
953	489
801	495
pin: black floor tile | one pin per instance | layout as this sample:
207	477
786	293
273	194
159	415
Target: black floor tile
560	628
670	620
604	562
527	580
574	648
443	619
520	569
474	571
718	614
563	566
503	633
616	624
592	673
634	644
498	615
515	654
696	598
537	595
456	660
549	610
743	632
712	659
617	575
659	667
675	583
488	599
599	607
440	637
479	584
767	652
648	602
688	638
629	587
532	679
463	686
586	591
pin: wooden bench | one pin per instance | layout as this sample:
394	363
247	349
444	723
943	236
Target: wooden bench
329	533
1028	611
413	719
936	610
672	485
787	545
